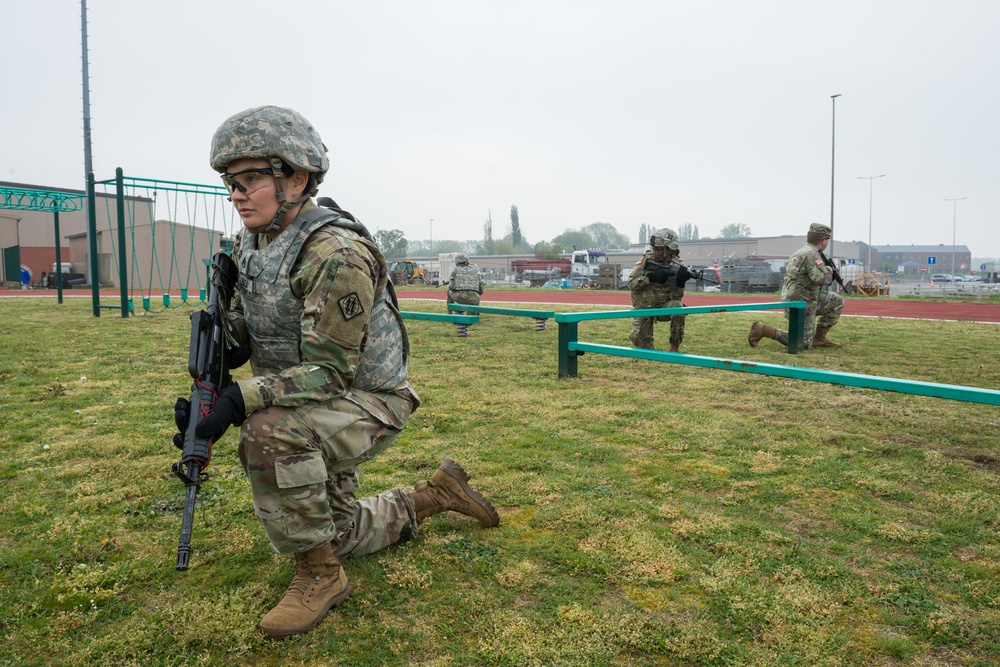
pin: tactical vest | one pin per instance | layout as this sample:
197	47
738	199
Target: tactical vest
466	278
273	313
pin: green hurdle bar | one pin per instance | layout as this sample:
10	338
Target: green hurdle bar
515	312
568	326
570	349
915	387
439	317
538	315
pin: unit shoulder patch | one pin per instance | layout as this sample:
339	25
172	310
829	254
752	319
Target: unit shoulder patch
350	306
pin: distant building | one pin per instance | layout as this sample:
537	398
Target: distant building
921	260
159	253
707	251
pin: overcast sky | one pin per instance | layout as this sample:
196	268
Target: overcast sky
653	112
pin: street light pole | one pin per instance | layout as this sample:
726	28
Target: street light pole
833	152
870	179
430	231
954	225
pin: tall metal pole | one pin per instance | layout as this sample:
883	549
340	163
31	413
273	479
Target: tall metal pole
59	293
833	154
88	160
430	226
954	226
870	179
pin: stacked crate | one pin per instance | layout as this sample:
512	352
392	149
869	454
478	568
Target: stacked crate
609	277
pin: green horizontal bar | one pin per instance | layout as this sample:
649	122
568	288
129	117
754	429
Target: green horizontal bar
194	185
515	312
687	310
915	387
439	317
21	199
133	187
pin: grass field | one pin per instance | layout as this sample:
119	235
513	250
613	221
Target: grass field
652	514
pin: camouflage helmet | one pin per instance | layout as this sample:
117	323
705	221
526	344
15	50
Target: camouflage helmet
461	258
270	132
664	238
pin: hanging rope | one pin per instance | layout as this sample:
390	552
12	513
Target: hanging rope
192	223
144	267
111	230
172	226
134	268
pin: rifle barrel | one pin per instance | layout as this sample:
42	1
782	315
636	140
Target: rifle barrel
209	368
187	523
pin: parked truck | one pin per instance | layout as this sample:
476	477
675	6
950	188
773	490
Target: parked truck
539	271
69	278
585	264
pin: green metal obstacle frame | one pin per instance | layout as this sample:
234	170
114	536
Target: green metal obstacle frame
570	349
54	201
197	207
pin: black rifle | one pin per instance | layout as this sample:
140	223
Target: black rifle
208	364
836	273
672	269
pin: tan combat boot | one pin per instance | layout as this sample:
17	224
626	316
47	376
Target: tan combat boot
319	585
820	340
448	490
760	330
675	347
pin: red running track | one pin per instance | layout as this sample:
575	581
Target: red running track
908	309
970	311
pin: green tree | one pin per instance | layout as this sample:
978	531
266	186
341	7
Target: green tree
448	246
572	238
645	231
737	230
546	250
503	247
604	235
488	235
392	243
508	240
688	232
515	227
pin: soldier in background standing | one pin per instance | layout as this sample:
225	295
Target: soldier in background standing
805	275
658	283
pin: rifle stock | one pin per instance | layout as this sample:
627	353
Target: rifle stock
208	366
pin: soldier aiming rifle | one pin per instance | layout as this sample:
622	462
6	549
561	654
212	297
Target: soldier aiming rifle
657	281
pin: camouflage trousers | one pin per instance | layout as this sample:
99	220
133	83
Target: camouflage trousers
467	297
303	469
824	312
642	327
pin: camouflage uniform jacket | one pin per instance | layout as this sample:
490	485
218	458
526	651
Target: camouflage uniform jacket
805	274
465	278
313	302
646	294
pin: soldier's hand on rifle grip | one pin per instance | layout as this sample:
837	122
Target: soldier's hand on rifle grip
683	274
230	410
659	276
182	414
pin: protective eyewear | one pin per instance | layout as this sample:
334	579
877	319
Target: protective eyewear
248	180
